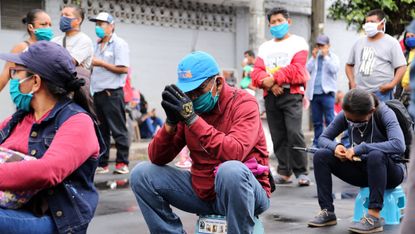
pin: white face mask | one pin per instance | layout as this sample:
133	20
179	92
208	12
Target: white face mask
371	29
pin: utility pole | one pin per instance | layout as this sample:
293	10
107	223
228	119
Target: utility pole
318	19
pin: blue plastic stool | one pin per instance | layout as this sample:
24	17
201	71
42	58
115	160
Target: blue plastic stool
216	224
394	202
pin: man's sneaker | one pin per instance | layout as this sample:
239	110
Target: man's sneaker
323	218
121	168
102	170
368	224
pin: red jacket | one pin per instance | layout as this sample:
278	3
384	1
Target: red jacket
231	131
295	74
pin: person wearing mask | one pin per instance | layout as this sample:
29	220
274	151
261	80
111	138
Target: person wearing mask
322	86
38	27
408	223
78	44
54	123
409	43
374	159
221	127
280	70
248	66
376	62
111	61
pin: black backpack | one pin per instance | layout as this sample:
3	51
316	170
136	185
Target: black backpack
405	122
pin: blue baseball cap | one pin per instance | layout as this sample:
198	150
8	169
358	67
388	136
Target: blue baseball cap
48	59
322	40
195	68
103	16
411	27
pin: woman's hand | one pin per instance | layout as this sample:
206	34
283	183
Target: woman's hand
350	154
340	152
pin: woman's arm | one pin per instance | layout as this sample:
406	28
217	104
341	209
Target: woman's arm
74	142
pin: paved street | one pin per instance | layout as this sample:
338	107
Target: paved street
291	207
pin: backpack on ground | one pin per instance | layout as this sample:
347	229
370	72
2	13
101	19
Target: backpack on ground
405	122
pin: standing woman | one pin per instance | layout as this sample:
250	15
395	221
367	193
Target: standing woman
38	26
54	122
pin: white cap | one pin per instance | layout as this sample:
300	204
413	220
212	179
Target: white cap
103	16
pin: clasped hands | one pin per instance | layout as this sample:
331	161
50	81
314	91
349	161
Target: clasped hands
345	154
269	84
178	106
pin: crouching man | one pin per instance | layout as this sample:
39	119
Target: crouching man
221	127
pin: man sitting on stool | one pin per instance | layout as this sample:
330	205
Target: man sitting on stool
221	127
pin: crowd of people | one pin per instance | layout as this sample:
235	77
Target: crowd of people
72	96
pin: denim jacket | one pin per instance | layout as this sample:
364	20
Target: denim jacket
330	69
72	203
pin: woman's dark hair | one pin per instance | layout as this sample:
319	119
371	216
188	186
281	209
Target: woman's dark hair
31	17
359	102
81	94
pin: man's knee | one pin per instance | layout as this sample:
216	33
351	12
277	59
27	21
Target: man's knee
231	171
140	173
376	157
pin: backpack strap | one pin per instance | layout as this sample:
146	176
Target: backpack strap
64	42
378	119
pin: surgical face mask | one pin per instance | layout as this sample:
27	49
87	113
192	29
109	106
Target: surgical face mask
99	31
279	31
410	42
205	102
356	124
371	29
45	34
21	100
65	24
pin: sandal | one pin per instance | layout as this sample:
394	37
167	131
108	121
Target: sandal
303	180
280	180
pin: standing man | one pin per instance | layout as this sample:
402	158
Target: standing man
78	44
221	127
376	62
111	62
322	86
280	69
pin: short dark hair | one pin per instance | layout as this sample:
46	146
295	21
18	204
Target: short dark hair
378	12
360	102
78	10
250	53
276	11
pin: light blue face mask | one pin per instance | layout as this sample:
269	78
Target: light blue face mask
279	31
21	100
99	31
206	102
45	34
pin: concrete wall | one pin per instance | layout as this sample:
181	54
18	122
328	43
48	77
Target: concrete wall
154	52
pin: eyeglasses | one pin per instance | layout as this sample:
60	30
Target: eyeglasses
200	90
14	71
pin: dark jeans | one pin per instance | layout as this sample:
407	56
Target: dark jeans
322	111
377	171
284	116
110	108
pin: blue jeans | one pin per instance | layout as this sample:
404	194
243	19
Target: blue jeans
384	96
149	126
322	106
239	196
22	222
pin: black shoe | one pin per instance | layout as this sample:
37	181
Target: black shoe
323	218
368	224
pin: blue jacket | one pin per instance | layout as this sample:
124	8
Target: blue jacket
72	203
331	66
393	144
